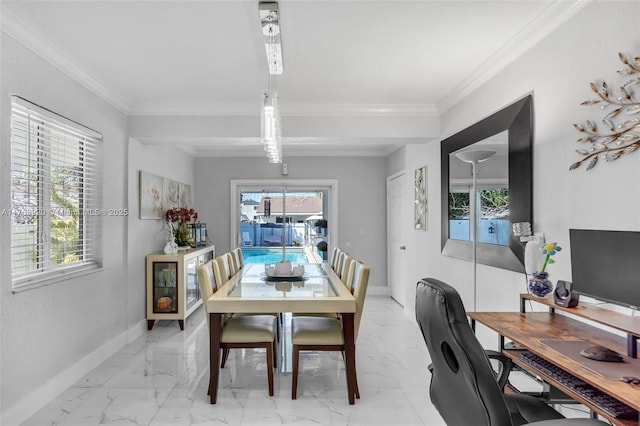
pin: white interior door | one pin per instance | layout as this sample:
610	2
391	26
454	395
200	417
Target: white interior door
395	237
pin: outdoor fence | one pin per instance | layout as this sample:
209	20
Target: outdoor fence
492	231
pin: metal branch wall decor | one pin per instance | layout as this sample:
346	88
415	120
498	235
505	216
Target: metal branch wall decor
622	130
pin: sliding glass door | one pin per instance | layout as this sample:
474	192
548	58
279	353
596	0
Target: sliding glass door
276	222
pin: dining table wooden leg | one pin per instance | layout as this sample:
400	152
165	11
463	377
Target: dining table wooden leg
215	328
349	354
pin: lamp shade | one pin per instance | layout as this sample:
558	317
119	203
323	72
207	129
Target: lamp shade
475	155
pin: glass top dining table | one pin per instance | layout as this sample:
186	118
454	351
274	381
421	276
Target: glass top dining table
250	291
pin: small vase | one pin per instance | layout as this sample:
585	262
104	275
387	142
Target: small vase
171	247
539	284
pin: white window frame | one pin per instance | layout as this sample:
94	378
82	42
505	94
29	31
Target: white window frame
239	185
24	117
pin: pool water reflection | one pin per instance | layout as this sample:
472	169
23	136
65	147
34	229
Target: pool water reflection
273	255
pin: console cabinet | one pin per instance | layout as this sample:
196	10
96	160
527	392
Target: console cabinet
172	284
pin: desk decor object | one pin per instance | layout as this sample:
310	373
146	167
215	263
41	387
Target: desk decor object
618	138
563	296
539	283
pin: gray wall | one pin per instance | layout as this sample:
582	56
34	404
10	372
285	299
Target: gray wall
145	236
50	333
558	72
361	200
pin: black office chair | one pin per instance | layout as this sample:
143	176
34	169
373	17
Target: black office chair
464	387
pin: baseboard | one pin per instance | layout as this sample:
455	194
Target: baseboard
40	397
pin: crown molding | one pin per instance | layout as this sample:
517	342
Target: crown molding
540	27
286	109
14	27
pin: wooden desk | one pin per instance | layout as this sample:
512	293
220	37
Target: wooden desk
528	329
248	292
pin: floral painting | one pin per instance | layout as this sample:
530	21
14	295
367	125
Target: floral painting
158	194
184	195
420	199
150	196
170	194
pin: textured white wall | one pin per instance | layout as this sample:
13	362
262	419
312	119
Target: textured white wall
557	71
50	334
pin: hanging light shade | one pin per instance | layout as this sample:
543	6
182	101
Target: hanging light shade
271	138
270	114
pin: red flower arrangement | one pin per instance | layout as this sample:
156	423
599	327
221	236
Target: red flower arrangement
180	214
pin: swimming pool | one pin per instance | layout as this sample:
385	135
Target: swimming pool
273	255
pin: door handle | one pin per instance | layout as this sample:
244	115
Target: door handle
403	247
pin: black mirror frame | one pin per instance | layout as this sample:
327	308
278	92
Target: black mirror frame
518	119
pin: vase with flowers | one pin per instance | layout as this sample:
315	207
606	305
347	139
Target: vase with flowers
178	220
539	284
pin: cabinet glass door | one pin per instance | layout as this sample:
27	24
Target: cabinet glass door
165	289
192	289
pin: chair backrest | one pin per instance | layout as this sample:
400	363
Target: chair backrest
339	262
346	263
239	258
223	264
232	261
334	258
360	283
347	277
206	283
461	369
218	272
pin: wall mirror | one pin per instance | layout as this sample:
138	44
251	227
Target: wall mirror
503	187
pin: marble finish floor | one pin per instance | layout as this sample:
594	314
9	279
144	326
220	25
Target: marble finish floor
161	379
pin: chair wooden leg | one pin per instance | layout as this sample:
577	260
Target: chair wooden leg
275	353
225	355
294	373
357	390
270	361
356	380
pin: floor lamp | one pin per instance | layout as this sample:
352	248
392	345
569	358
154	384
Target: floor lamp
474	157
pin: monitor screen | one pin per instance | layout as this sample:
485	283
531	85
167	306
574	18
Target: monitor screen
606	265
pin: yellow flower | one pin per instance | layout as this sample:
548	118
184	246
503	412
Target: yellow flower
549	250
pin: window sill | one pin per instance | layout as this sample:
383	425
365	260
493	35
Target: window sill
48	278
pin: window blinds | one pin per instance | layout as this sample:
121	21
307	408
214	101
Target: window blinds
56	192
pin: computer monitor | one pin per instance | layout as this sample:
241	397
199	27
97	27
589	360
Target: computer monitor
605	265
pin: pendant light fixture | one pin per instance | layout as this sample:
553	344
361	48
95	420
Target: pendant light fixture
270	114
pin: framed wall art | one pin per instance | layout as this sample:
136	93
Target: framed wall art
150	196
420	199
184	195
170	194
158	194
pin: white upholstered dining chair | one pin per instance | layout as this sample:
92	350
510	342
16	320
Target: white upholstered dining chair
315	333
247	331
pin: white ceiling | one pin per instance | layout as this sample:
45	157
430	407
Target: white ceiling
350	59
